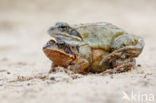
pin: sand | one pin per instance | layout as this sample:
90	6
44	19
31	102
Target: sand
24	67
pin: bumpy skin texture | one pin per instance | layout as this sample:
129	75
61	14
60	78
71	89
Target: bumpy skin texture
99	46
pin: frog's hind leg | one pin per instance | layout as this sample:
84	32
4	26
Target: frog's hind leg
125	46
124	49
121	65
128	45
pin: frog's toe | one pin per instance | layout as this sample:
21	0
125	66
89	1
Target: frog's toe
120	65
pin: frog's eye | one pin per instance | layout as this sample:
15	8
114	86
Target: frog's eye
51	42
63	27
60	44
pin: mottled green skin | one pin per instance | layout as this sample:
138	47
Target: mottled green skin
99	35
96	35
115	42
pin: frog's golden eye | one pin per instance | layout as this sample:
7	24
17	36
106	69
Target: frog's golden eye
63	27
51	42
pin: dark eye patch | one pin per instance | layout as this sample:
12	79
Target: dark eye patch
74	33
68	50
60	44
62	26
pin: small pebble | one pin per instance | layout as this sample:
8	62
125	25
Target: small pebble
28	84
139	65
8	73
111	76
52	78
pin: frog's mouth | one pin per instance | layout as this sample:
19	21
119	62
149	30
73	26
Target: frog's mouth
60	54
65	36
68	39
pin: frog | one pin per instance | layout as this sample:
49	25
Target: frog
64	55
98	47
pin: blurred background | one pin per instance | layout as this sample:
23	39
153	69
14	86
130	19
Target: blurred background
23	32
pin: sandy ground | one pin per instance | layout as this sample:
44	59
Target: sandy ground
24	67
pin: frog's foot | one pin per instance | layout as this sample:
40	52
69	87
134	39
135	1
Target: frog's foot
53	68
79	66
121	65
56	68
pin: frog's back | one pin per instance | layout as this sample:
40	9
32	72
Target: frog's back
99	35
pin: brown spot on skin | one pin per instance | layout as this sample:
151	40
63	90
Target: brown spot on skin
97	54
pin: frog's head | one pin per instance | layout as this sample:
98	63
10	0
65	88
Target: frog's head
64	32
60	53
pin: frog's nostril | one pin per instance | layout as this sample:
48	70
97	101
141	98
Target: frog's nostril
51	29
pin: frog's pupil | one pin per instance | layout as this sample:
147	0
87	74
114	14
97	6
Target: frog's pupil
62	26
60	44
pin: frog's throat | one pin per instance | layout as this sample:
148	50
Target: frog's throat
51	51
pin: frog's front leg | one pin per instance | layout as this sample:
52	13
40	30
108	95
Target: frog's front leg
79	66
53	68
